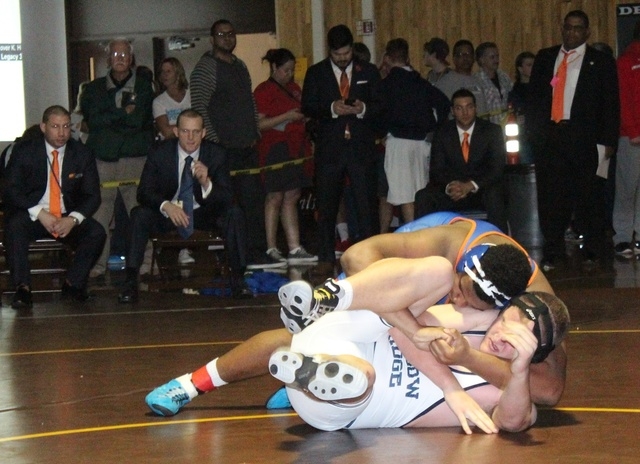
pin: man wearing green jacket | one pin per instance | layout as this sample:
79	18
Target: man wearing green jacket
117	108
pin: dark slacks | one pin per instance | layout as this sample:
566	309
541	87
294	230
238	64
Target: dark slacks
568	186
330	179
492	199
249	194
86	239
229	224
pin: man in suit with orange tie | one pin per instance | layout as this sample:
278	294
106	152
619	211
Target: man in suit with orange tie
53	189
467	165
574	107
338	94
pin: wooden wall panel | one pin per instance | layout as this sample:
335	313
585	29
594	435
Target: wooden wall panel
515	25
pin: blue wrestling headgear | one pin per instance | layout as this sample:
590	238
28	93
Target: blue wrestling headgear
537	311
470	264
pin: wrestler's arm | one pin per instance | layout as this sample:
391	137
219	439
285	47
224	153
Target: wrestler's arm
417	244
461	404
399	289
546	378
515	411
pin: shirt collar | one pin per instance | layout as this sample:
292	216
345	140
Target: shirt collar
468	131
49	149
183	154
338	71
579	50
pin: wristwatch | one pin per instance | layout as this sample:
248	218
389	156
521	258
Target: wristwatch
75	220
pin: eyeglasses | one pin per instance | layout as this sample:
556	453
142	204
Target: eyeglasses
120	54
225	34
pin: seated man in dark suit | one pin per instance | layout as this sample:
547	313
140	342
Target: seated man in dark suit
52	190
199	197
467	164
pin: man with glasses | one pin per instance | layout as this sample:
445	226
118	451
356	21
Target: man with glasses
221	92
574	107
198	198
117	108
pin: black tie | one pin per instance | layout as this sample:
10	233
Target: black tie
186	196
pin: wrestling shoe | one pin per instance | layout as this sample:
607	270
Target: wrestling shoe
329	380
279	400
168	399
302	304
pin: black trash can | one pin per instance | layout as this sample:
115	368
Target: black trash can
522	203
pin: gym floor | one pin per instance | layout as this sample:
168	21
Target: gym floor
73	378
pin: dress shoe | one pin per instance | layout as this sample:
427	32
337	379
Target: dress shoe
240	290
69	292
130	293
22	298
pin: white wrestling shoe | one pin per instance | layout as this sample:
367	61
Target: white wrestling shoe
328	381
301	304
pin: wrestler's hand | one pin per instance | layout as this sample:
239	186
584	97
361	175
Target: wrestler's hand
454	352
423	337
521	337
467	409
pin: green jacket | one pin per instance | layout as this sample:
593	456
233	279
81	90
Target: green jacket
114	134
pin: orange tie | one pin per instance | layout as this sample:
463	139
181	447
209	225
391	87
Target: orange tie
344	92
465	146
344	85
54	187
557	106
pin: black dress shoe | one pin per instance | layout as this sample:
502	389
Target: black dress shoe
22	298
130	294
240	290
69	292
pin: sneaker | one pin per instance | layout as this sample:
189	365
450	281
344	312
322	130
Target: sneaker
276	255
300	255
168	399
624	249
279	400
327	381
302	304
186	257
267	262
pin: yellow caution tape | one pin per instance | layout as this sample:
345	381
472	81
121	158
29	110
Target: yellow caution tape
271	167
239	172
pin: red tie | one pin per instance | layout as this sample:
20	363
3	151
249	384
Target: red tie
465	146
344	92
557	106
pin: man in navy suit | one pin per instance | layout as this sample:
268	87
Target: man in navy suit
161	209
475	183
565	144
37	167
338	94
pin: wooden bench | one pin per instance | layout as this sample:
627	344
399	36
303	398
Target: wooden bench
211	267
